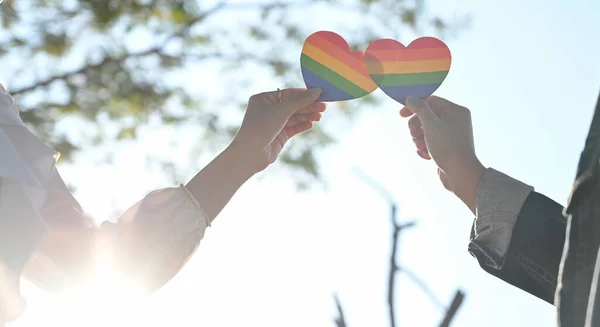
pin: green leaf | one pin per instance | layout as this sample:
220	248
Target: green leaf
56	44
127	133
65	148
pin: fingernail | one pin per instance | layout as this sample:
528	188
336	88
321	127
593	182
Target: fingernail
414	99
411	100
314	92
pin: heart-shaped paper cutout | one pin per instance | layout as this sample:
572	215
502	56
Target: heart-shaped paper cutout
417	70
327	63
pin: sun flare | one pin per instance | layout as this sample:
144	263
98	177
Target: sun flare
107	298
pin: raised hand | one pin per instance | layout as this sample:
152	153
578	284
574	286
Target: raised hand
269	124
442	131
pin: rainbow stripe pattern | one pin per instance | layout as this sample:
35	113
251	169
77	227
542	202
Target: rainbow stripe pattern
417	70
327	63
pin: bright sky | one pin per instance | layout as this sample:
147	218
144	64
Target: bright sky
529	72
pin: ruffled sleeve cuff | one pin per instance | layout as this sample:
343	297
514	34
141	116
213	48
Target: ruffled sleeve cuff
165	229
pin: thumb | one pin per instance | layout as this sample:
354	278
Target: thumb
300	100
422	109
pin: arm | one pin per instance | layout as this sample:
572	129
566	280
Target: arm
65	254
518	234
156	236
18	240
33	199
161	232
214	185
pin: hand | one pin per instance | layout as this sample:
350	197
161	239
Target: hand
268	124
442	131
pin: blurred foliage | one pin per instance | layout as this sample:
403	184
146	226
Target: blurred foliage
105	63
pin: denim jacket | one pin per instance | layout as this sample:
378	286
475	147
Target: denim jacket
531	242
524	251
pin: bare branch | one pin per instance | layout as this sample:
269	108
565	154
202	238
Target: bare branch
340	321
423	286
371	182
394	268
83	69
397	228
223	5
451	312
392	273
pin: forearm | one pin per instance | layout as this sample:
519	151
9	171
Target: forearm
532	260
216	183
63	258
21	228
517	234
21	231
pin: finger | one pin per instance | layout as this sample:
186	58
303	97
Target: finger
423	155
405	112
301	118
415	127
290	93
299	101
438	105
417	133
420	144
435	101
298	129
314	107
422	109
273	96
414	123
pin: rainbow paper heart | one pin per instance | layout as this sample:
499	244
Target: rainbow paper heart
417	70
327	63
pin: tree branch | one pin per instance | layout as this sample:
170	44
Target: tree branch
393	264
340	321
158	49
451	312
189	24
376	186
393	268
84	69
423	286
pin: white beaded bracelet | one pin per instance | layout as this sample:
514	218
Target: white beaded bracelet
192	198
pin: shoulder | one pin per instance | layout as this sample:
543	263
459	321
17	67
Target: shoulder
9	112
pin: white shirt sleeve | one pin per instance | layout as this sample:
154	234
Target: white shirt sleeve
21	230
164	230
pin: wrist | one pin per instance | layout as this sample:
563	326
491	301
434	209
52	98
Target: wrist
242	161
466	181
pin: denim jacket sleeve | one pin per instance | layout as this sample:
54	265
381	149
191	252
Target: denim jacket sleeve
523	249
499	200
